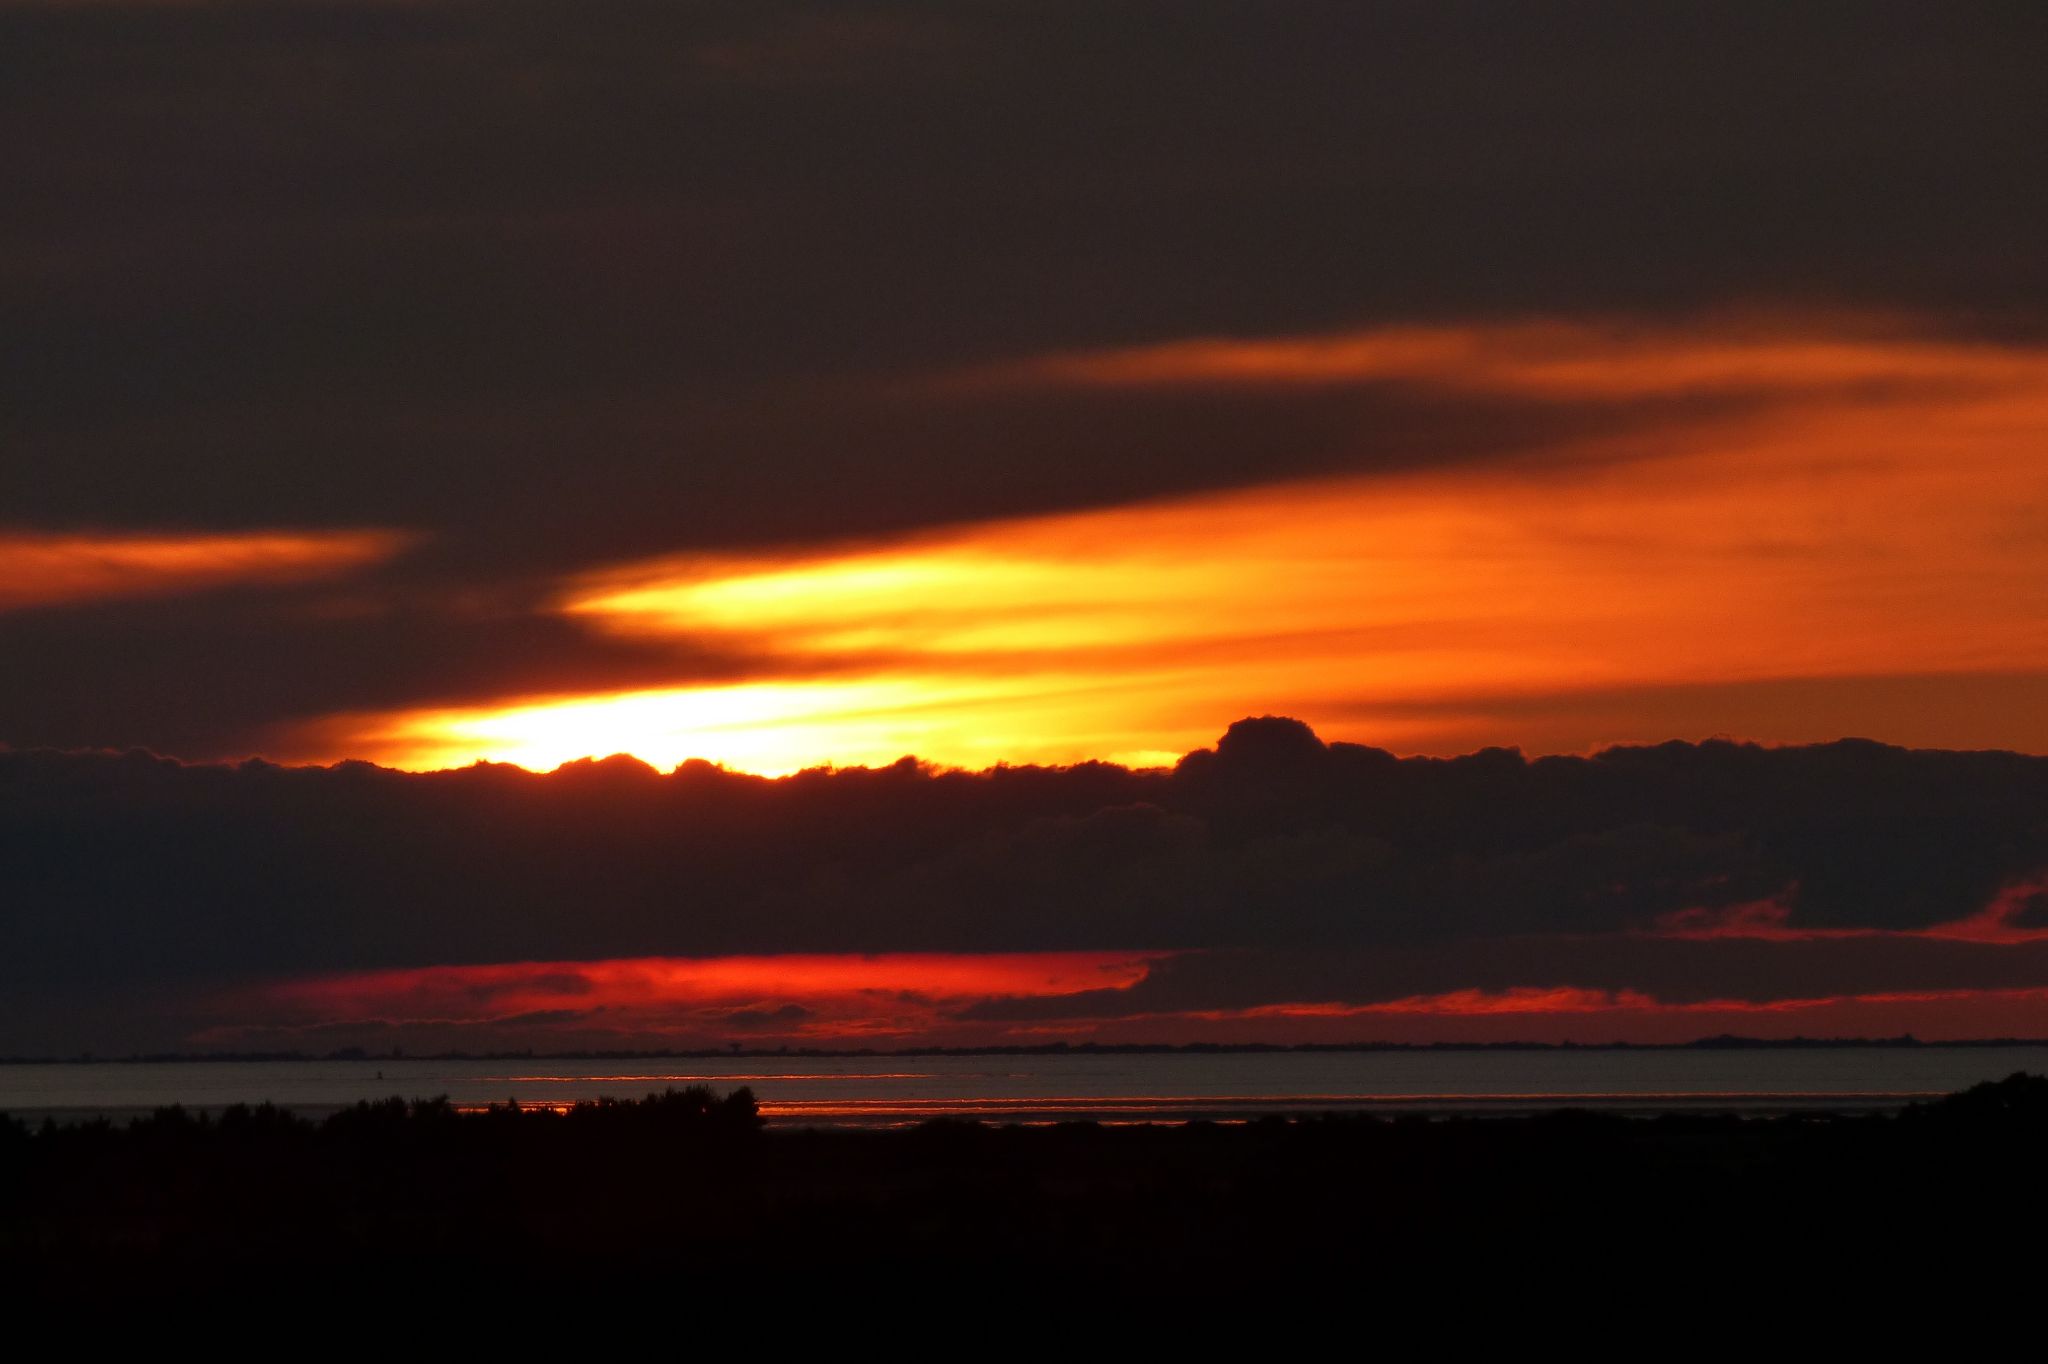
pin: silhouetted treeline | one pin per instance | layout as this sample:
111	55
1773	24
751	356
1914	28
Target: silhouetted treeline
686	1186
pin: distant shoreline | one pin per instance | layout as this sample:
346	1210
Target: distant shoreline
1721	1043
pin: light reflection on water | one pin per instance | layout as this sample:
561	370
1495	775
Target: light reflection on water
892	1091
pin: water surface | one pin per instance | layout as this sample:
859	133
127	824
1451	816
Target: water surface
1118	1088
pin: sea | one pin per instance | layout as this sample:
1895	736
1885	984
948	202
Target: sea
1109	1087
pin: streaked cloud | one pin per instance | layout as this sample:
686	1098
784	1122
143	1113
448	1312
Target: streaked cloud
1800	356
1881	514
54	569
702	1000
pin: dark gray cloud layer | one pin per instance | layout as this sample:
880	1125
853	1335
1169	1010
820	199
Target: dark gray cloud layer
1298	871
564	284
341	261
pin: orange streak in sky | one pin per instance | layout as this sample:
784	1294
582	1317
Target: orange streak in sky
1877	512
1464	1003
1998	922
1572	1000
858	991
1770	921
894	1000
1581	359
42	570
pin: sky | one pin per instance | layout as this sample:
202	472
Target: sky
804	386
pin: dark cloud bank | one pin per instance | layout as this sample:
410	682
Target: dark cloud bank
1304	871
637	272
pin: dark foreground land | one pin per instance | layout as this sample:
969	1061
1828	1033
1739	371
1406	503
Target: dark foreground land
686	1188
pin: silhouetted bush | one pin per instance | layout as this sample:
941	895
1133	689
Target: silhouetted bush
2019	1098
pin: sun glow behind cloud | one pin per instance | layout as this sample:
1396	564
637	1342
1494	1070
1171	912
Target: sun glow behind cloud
774	728
1864	505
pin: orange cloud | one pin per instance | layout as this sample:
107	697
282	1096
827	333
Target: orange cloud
912	999
1572	1000
1463	1004
1860	354
1880	516
44	569
1997	923
1619	1016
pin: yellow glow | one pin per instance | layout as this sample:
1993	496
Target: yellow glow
933	598
771	728
1881	515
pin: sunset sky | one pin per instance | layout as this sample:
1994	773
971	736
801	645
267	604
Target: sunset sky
801	386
